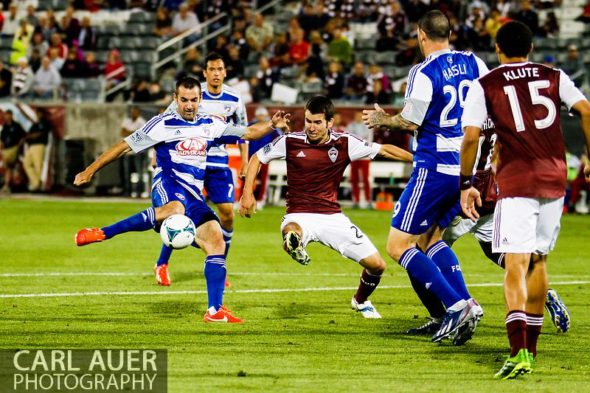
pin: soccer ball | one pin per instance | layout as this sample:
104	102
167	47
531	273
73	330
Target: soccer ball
178	231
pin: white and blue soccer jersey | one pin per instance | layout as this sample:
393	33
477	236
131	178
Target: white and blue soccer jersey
436	91
434	99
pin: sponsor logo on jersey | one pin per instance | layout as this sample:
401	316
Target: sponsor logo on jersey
177	132
192	147
333	154
424	223
301	154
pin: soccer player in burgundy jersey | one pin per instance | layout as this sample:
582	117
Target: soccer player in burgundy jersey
522	99
432	110
316	160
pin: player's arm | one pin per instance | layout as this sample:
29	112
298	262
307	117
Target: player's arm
392	152
247	201
113	153
583	109
378	118
256	131
243	159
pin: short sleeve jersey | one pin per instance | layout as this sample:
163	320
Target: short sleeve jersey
434	97
523	101
227	104
181	146
314	171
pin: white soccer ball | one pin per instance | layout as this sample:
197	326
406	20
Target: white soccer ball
178	231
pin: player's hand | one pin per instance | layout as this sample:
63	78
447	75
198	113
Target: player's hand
247	205
374	118
470	198
281	120
587	172
82	178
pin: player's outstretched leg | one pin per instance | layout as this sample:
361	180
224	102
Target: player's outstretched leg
161	268
139	222
370	277
293	243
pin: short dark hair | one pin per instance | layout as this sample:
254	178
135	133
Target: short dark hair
213	56
515	39
188	82
320	104
436	25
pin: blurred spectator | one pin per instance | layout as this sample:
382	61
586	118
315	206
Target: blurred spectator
5	80
114	69
313	16
375	73
191	64
378	95
56	61
220	46
134	164
408	47
163	23
36	140
585	15
37	42
19	48
266	78
22	79
493	23
70	25
72	67
337	124
10	21
280	51
140	92
293	26
91	67
46	81
186	20
57	43
528	16
238	40
573	65
356	85
35	60
298	48
24	32
549	61
87	37
334	82
393	21
46	28
234	65
549	28
11	140
359	169
157	95
415	9
259	34
340	49
399	96
315	62
31	17
578	184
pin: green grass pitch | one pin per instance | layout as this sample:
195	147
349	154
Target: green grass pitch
299	333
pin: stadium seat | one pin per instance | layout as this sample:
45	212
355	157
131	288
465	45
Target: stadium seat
142	17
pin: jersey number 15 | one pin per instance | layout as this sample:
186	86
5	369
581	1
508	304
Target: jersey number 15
536	99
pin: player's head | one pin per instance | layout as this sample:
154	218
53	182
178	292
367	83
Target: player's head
433	26
214	70
187	96
319	118
514	39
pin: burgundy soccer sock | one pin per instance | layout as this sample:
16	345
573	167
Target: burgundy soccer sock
366	287
534	322
516	328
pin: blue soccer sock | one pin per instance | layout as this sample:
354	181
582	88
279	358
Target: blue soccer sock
165	254
425	271
446	260
227	235
139	222
215	276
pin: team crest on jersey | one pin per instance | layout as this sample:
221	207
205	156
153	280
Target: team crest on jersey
333	154
227	109
137	137
450	59
267	148
179	196
192	147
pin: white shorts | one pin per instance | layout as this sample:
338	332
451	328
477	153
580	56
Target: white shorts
526	225
481	229
335	231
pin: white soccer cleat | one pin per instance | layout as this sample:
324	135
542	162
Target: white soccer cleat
366	309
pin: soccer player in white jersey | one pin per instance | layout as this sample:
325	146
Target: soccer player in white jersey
220	100
432	109
316	160
180	139
522	98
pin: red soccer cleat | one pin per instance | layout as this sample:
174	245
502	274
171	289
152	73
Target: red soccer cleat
222	315
89	235
228	284
162	275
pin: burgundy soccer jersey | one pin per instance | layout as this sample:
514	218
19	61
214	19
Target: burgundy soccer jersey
484	180
314	171
523	100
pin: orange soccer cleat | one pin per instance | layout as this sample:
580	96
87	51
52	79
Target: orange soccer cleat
221	315
162	275
89	235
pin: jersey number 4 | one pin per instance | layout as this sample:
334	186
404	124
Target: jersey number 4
536	99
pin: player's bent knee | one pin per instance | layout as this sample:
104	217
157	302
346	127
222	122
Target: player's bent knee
163	212
374	264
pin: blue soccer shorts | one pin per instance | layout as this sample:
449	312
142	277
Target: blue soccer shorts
219	183
429	198
167	189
